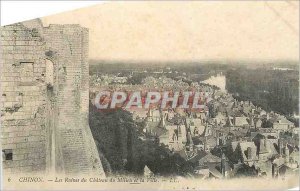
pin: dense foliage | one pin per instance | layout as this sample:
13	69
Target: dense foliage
122	152
271	89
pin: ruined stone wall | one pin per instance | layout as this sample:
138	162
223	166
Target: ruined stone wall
78	151
22	99
67	143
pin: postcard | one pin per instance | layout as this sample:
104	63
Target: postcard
155	95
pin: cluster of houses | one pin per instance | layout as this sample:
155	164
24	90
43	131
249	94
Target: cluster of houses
228	139
103	80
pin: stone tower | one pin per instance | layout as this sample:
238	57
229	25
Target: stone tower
44	100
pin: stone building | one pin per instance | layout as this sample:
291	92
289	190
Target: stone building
44	100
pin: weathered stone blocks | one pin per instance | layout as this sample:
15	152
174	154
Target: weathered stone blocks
44	110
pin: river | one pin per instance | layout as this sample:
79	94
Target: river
218	80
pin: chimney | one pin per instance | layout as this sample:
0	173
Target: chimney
280	146
249	152
273	170
251	120
149	112
189	139
287	154
262	148
223	161
217	132
234	119
163	123
255	120
205	144
265	142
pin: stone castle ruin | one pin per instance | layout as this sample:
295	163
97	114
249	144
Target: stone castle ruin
44	100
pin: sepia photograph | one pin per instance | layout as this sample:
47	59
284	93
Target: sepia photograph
152	95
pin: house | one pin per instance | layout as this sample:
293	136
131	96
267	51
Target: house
210	166
196	126
264	168
221	134
209	142
280	168
240	121
120	80
208	130
296	130
257	122
238	133
203	171
214	173
204	158
172	136
282	124
266	149
248	108
154	115
265	132
237	121
208	172
292	156
148	172
201	115
241	170
170	115
139	114
220	119
209	159
246	152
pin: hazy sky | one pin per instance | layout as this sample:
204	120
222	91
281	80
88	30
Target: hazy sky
211	30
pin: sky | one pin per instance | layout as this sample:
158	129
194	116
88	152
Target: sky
202	30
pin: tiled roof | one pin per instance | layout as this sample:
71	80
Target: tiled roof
267	146
211	141
198	156
244	146
214	171
234	145
183	154
209	158
240	121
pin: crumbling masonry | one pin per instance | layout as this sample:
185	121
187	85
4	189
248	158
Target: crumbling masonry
44	100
